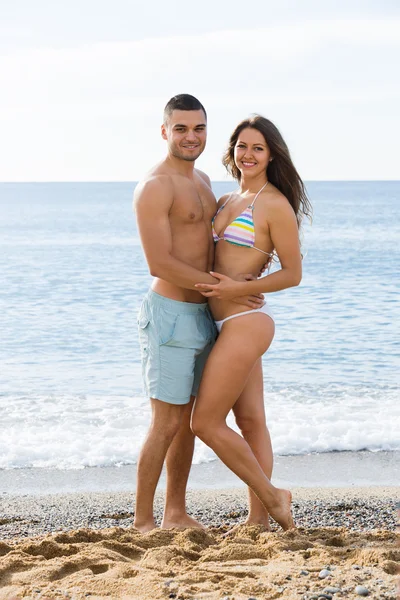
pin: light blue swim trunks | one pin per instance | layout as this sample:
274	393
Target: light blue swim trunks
175	341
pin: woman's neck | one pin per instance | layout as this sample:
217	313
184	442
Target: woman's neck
252	185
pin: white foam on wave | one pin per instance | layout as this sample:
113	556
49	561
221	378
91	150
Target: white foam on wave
72	431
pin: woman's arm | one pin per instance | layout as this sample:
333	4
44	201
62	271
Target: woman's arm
285	237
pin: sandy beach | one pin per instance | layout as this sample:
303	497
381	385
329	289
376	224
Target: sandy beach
83	545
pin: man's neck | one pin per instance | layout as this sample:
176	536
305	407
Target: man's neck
184	167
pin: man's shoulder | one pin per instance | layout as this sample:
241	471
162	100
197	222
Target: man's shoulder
153	181
153	186
204	177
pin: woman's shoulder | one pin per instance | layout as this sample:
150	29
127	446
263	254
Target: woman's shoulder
275	203
273	197
223	199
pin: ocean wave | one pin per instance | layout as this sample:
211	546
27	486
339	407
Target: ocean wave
77	431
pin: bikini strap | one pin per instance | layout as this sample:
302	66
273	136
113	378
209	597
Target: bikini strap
258	193
226	202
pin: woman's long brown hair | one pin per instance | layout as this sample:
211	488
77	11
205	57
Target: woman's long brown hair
281	171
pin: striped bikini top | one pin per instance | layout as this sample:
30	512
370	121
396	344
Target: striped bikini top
241	232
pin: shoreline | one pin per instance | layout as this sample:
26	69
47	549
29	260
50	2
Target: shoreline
331	469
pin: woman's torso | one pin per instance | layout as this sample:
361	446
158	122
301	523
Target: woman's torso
235	260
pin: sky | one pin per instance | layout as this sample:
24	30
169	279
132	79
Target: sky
83	83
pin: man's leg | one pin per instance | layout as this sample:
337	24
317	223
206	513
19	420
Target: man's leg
178	462
180	454
172	345
166	420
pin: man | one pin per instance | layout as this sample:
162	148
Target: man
174	206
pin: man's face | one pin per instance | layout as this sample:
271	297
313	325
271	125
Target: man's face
186	133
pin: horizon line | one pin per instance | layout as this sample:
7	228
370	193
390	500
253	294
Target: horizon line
131	181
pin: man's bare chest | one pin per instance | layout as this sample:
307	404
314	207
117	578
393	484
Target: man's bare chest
191	206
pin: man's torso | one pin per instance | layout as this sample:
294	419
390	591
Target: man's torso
190	217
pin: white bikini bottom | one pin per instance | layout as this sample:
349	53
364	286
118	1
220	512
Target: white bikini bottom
264	309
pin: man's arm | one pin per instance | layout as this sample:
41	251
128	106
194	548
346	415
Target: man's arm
152	202
211	250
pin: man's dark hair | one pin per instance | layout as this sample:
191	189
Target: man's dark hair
183	102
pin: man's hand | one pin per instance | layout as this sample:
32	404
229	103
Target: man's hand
225	289
250	301
266	266
230	289
255	301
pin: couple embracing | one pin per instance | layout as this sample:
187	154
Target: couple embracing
204	324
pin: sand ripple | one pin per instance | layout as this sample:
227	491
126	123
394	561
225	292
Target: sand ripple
193	564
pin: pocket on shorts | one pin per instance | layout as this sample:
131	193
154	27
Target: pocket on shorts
183	331
143	325
143	321
168	324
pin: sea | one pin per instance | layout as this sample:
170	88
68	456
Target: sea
72	277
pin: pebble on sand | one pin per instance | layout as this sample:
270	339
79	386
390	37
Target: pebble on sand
361	591
324	573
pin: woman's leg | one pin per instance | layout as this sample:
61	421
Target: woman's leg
241	343
250	417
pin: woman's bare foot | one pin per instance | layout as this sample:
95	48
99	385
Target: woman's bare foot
262	520
181	522
281	512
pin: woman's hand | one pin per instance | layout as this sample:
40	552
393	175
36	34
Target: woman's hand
226	289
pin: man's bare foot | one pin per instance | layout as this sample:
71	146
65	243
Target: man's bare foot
181	522
144	526
281	512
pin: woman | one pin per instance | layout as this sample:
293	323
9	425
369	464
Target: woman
251	225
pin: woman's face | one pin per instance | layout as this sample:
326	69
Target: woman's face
251	152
